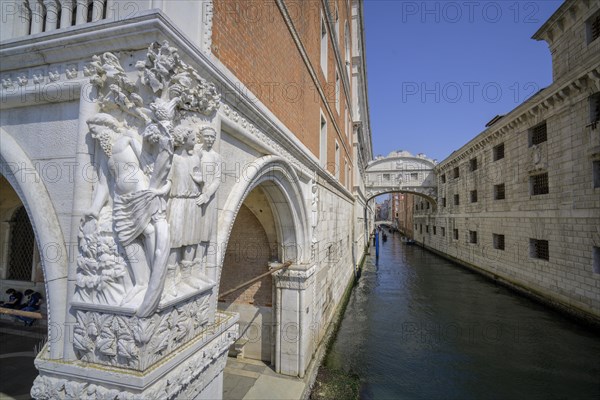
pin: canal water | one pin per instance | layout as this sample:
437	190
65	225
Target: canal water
420	327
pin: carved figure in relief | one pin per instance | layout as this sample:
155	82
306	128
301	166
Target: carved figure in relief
211	173
185	227
148	191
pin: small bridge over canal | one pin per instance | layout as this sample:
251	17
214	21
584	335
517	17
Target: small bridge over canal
402	172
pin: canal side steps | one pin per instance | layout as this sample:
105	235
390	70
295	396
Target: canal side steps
237	349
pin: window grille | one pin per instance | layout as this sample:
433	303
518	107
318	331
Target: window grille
538	134
472	236
473	196
498	152
498	241
499	192
539	184
539	249
21	247
594	27
595	109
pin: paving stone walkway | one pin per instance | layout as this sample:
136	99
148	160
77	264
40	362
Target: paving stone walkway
243	379
251	379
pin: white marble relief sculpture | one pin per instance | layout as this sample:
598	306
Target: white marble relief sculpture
148	214
185	262
211	174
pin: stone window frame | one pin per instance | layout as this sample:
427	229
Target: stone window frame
500	191
499	241
472	237
324	46
473	164
594	104
498	152
337	160
323	139
596	174
539	184
538	134
539	249
592	28
337	90
473	196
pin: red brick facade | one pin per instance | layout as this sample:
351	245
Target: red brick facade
253	40
248	253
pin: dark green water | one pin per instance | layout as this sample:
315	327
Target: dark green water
420	327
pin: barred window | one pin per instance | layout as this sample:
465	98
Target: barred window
539	184
473	164
539	249
538	134
414	176
456	200
498	241
434	230
443	202
21	247
456	173
473	237
473	196
443	178
455	234
593	28
443	229
427	229
498	152
428	205
499	192
595	109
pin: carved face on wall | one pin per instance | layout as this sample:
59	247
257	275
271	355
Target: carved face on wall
209	135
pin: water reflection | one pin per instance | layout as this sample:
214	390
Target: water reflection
419	327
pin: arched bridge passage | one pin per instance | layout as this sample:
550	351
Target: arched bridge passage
402	173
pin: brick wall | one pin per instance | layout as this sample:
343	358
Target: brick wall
248	253
252	39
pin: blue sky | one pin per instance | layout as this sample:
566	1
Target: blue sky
438	71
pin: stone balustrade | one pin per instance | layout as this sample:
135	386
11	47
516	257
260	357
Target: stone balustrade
29	17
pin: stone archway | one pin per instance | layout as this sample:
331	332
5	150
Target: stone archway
22	176
269	203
